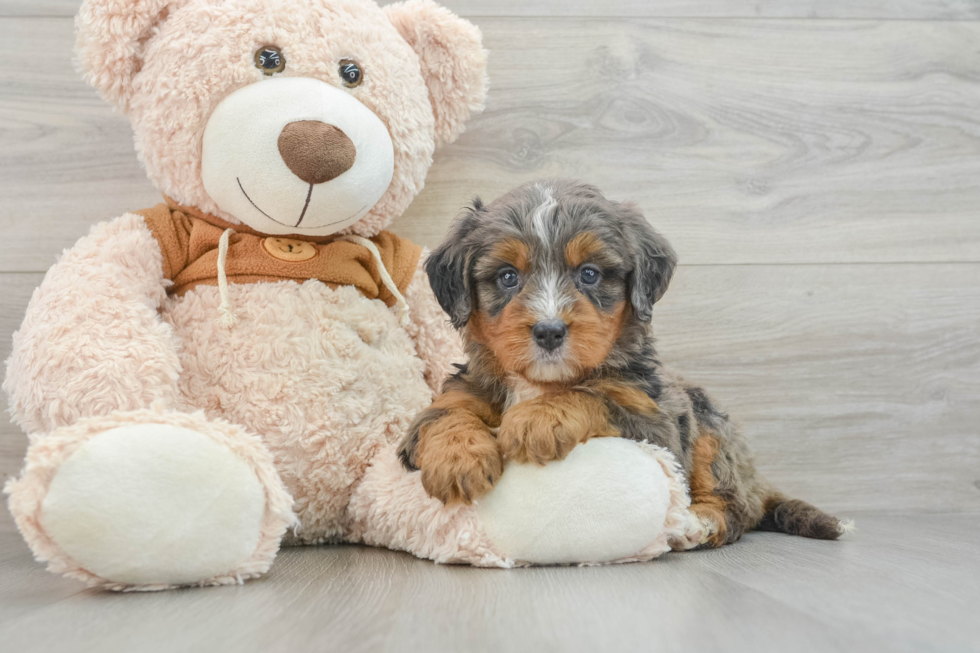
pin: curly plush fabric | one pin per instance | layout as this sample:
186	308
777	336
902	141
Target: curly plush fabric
452	61
167	65
92	341
391	508
325	375
49	452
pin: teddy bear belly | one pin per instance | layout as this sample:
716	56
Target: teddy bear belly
324	376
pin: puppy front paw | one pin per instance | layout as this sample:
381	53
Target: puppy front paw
539	432
460	462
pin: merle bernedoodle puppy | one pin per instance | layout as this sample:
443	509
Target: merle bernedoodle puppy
552	288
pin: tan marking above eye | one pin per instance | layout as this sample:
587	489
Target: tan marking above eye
581	247
513	251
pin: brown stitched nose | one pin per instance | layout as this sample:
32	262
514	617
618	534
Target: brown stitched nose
315	151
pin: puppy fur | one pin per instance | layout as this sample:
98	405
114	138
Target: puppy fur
552	287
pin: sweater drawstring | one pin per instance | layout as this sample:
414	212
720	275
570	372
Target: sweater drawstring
403	316
227	315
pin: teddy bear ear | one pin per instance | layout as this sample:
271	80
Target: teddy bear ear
453	61
110	40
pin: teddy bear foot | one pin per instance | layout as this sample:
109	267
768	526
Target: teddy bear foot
147	501
610	500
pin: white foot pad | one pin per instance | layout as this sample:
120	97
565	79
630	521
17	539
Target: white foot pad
155	504
607	500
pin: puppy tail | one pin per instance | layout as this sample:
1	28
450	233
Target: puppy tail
795	517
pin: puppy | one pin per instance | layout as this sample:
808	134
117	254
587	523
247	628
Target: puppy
552	287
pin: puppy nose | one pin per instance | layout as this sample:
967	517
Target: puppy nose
315	151
549	335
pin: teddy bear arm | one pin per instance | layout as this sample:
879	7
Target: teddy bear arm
437	343
92	340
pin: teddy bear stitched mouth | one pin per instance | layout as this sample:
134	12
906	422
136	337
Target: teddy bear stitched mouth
301	215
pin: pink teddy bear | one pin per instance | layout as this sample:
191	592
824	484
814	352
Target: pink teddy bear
231	369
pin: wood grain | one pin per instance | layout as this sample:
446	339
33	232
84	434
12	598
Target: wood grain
853	385
833	9
885	9
858	386
15	292
893	586
869	589
69	160
743	141
21	8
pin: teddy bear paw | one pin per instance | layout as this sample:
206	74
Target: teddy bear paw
151	505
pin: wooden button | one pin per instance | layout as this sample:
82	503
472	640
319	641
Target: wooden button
287	249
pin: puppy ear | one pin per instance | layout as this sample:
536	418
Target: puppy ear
110	42
449	265
654	261
452	58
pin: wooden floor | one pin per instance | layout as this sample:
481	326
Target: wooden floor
816	164
901	583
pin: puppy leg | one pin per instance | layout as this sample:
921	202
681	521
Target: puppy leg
451	442
720	517
547	427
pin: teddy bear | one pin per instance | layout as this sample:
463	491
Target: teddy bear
229	371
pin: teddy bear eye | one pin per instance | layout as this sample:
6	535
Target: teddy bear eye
350	73
270	60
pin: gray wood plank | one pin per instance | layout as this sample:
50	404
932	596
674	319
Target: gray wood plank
744	141
833	9
885	9
858	386
852	386
767	593
64	142
22	8
872	587
15	292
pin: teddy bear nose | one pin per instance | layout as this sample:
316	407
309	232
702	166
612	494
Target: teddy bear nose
315	151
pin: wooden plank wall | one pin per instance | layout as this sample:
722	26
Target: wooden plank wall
816	165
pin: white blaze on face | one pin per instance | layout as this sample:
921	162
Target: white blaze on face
542	220
244	172
549	294
546	299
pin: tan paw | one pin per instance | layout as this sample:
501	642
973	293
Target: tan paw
538	432
459	464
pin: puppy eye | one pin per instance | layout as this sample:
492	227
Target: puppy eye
350	73
589	276
508	279
270	60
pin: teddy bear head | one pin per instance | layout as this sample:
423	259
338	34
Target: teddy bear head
292	117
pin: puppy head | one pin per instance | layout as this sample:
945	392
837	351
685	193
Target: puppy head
548	276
